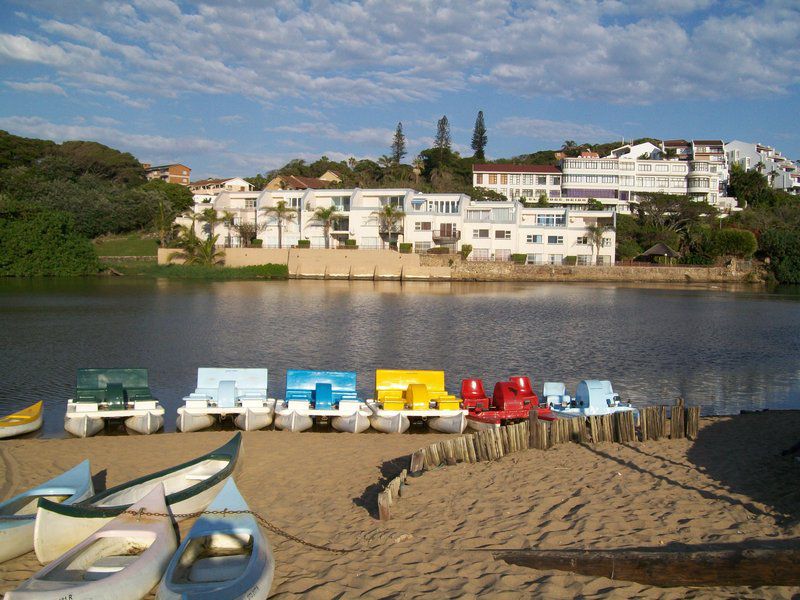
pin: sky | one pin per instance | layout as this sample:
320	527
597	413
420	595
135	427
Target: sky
239	87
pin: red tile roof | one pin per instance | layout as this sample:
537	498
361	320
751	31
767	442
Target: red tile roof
508	168
709	142
676	143
302	183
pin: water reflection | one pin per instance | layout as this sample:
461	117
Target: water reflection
725	350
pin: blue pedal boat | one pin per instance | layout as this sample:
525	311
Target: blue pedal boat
593	397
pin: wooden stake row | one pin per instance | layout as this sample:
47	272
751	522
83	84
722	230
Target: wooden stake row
390	494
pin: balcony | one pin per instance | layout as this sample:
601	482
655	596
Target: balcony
446	237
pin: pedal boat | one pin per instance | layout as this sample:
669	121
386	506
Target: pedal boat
511	402
593	397
404	396
224	555
112	394
23	421
16	534
222	393
190	487
122	560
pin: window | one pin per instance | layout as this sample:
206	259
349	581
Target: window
502	254
678	169
422	226
627	166
527	179
249	203
515	179
527	193
605	242
645	167
480	233
582	241
492	179
662	182
556	180
541	180
555	239
626	180
502	234
533	239
421	247
479	178
678	183
608	179
555	259
555	193
551	220
591	179
662	168
584	259
503	179
479	254
591	164
607	164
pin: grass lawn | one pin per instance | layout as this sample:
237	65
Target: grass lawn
129	245
149	269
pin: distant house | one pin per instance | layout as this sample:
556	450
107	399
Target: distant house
175	173
296	182
215	186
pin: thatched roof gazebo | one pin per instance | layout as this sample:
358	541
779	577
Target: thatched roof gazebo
660	249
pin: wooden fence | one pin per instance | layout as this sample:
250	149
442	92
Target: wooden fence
493	444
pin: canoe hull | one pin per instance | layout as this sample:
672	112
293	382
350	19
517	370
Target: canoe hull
291	420
355	423
145	424
21	422
83	426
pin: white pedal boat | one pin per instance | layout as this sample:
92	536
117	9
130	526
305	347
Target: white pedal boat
223	556
593	398
122	560
112	394
221	393
16	536
321	395
190	486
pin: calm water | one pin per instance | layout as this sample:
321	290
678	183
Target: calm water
725	350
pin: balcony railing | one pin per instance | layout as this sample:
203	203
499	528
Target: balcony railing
448	237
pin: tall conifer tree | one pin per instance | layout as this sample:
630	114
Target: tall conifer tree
479	137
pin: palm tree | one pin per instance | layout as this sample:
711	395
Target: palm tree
210	217
326	216
195	252
596	233
283	214
228	219
390	216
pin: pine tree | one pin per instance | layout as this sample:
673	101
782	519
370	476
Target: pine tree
398	144
443	134
479	138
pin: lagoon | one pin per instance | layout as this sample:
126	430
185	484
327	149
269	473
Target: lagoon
724	349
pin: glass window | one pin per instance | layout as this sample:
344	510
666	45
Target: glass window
422	226
556	180
479	178
555	239
480	233
582	241
645	167
555	259
502	234
503	179
533	239
492	179
541	180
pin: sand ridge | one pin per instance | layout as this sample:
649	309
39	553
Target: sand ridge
729	486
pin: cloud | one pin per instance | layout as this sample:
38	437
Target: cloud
39	87
553	131
231	119
24	49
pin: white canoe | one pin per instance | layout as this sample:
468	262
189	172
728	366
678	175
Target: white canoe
16	536
148	423
224	556
188	422
123	560
390	422
190	486
23	421
357	422
291	420
253	419
83	426
449	424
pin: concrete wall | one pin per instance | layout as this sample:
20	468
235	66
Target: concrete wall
239	257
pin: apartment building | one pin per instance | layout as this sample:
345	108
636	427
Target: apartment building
519	182
782	173
175	173
495	230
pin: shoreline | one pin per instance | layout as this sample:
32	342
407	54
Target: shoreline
730	486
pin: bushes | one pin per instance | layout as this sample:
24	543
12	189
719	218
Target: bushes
304	243
256	243
519	258
782	246
43	243
466	250
439	250
571	261
143	269
733	242
351	243
405	248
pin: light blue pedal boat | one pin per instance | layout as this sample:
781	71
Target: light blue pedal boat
223	556
16	536
593	397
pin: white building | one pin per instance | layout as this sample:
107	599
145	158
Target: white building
206	189
782	173
519	182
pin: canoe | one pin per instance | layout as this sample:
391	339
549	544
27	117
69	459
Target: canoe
188	422
145	424
223	556
83	425
23	421
252	420
390	423
16	536
357	422
449	424
123	560
190	487
291	420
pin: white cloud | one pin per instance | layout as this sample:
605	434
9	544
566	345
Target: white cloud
231	119
553	131
39	87
24	49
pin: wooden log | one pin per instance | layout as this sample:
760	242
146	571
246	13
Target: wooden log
692	421
417	463
384	506
505	444
677	429
449	452
458	448
472	456
533	418
428	458
662	422
730	567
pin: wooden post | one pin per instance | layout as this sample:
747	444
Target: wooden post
471	453
677	429
692	418
533	418
384	506
417	463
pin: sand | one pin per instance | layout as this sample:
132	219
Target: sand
730	486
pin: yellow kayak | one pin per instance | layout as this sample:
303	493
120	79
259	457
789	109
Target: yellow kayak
24	421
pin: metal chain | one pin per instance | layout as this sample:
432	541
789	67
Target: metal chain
273	528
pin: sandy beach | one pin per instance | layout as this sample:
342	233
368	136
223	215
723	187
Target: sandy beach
730	486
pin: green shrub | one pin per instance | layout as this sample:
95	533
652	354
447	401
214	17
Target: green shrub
466	250
405	248
782	246
519	258
349	242
733	242
392	245
144	269
571	260
256	243
438	250
43	243
628	249
304	243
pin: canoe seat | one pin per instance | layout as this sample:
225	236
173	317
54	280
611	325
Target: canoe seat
323	396
505	396
218	568
108	565
202	473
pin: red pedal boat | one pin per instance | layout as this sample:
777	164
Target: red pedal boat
511	402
